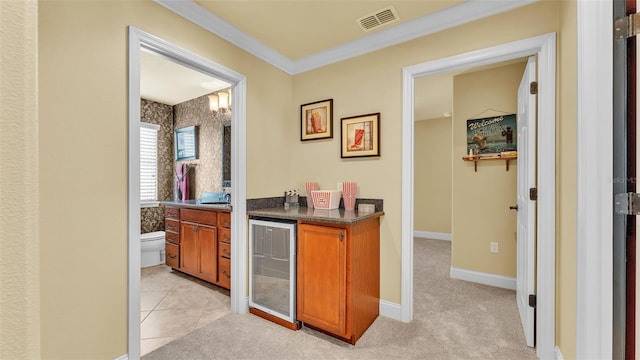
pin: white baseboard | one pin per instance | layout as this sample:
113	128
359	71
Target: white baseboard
558	354
122	357
483	278
390	310
432	235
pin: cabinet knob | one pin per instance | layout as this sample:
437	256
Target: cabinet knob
341	236
226	274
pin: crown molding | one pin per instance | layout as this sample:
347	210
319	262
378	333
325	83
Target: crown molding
203	18
465	12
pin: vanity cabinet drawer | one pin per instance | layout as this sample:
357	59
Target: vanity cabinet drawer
199	216
172	255
224	250
224	220
224	272
172	213
172	237
224	235
171	225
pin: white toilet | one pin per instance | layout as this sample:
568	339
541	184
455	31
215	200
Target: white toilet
152	247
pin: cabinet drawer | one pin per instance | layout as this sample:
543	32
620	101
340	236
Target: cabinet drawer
224	250
171	225
224	235
172	213
199	216
224	272
224	220
172	255
172	237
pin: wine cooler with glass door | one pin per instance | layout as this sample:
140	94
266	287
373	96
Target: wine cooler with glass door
272	270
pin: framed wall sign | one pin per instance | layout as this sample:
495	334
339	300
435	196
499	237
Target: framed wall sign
492	135
316	120
186	143
360	136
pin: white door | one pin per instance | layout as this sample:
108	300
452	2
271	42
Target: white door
526	208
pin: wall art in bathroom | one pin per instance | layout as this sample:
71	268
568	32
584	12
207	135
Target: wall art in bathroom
186	143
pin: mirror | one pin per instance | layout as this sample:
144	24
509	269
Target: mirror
186	143
226	155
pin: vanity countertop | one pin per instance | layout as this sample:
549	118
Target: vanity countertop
197	204
337	216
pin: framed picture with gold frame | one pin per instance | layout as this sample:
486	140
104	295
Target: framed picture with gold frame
360	136
316	120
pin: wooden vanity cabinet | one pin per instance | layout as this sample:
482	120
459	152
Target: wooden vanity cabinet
199	243
224	250
338	277
172	236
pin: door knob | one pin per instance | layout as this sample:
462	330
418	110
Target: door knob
515	207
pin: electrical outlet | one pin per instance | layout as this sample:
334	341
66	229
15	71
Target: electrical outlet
494	247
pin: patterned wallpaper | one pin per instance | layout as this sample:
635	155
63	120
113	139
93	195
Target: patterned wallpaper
206	171
152	219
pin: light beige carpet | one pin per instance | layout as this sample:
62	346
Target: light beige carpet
453	319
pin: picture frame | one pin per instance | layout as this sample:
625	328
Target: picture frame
490	136
186	143
360	136
316	120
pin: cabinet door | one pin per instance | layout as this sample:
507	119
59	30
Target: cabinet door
189	248
322	264
208	255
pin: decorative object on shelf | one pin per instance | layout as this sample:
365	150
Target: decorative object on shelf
310	186
186	143
360	136
349	190
316	120
491	135
291	199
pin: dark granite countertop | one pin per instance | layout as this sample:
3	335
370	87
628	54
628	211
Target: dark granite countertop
337	216
196	204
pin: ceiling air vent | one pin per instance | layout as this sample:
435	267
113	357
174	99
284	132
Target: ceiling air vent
378	18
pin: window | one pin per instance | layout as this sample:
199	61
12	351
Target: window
149	164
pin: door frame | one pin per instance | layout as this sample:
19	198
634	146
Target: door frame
544	46
142	41
594	208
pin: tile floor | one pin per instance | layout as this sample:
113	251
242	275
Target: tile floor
173	304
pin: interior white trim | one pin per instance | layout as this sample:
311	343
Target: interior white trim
390	310
594	258
544	46
431	235
558	354
139	40
464	12
206	20
478	277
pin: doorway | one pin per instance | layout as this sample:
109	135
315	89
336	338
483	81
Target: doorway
544	47
141	41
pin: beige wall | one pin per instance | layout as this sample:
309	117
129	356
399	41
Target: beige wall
83	66
19	231
372	83
566	179
432	175
481	200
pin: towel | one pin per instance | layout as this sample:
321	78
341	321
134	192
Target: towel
182	182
